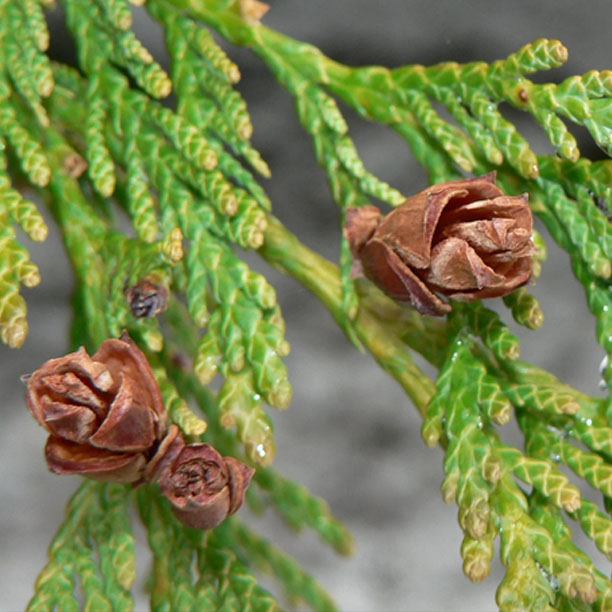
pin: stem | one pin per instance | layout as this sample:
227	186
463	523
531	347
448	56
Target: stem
284	251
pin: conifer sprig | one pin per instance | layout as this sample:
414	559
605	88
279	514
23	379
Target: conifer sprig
185	179
460	417
219	581
95	545
483	140
25	79
245	329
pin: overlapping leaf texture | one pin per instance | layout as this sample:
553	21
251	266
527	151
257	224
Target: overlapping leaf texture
184	179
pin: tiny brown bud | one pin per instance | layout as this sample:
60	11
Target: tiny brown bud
105	413
253	10
146	298
74	165
463	239
203	487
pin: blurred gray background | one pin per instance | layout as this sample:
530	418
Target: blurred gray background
350	435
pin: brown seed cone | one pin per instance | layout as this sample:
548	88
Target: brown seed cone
463	239
203	487
105	413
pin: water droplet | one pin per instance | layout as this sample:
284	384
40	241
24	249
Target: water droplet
260	450
552	580
603	365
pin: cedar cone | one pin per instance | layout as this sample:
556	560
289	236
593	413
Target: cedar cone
203	487
463	239
105	413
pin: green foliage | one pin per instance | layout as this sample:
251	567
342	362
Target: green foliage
95	545
25	79
185	178
218	582
244	338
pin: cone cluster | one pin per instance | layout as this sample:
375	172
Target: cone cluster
107	420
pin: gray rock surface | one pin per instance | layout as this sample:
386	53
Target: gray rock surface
350	435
